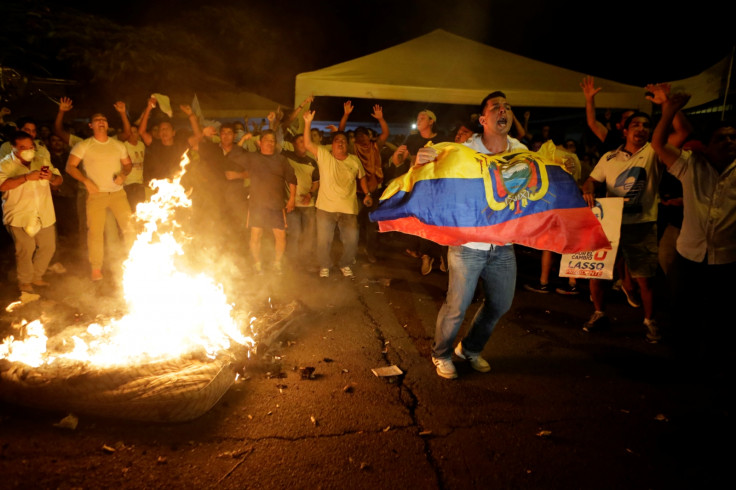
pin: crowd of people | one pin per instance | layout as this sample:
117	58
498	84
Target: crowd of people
299	184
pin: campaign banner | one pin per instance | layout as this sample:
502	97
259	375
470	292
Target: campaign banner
597	264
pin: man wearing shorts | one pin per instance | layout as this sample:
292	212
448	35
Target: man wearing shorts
268	172
633	172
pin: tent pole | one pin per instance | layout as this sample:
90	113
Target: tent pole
728	84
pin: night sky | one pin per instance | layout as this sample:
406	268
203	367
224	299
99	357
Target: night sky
631	42
260	46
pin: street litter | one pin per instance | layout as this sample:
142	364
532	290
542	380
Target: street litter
108	449
68	422
544	433
392	370
307	372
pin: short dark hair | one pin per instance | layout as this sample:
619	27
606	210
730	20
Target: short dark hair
164	118
362	130
25	120
19	135
631	118
97	114
490	96
227	125
267	132
714	126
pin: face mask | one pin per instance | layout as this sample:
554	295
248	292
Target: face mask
27	155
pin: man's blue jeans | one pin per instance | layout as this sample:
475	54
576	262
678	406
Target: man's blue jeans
497	268
301	234
348	225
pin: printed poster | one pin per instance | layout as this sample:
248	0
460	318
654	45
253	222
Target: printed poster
597	264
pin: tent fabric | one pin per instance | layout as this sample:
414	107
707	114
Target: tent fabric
446	68
219	104
705	87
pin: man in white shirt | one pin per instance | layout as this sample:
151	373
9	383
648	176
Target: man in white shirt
28	210
107	165
705	265
495	264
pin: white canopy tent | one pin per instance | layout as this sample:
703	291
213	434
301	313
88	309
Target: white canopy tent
445	68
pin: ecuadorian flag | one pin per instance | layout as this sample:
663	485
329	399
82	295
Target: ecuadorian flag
521	197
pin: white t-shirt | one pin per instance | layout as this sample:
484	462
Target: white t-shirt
136	153
337	185
476	143
101	161
635	178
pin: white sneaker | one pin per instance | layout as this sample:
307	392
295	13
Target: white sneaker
445	368
347	271
324	272
476	361
653	335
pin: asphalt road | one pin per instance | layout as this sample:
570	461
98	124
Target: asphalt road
560	408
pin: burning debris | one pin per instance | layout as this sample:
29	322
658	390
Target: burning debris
173	354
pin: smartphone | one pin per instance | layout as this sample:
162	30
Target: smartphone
45	168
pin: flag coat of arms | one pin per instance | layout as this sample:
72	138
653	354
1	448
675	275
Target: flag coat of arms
521	197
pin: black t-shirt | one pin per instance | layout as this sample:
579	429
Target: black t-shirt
267	176
413	143
161	161
208	173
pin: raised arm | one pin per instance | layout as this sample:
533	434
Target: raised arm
681	127
520	131
194	123
65	105
668	152
378	114
120	109
310	146
143	128
293	114
589	91
347	108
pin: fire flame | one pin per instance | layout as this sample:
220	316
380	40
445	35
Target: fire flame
170	313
